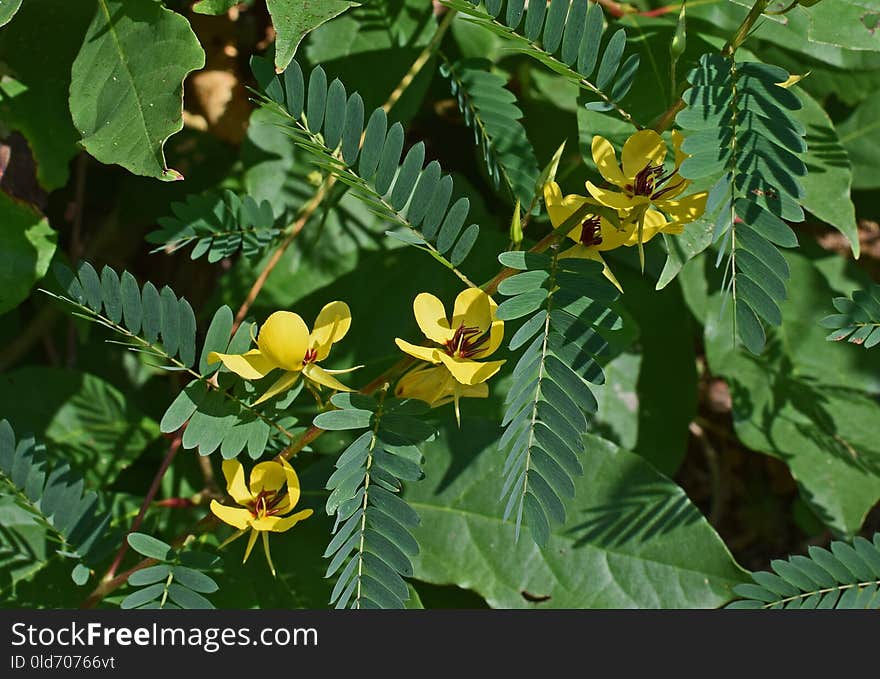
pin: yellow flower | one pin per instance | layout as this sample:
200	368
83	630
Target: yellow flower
644	184
595	234
266	502
473	334
285	343
436	386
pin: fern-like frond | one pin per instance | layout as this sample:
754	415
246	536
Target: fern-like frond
565	302
177	580
328	123
566	37
740	126
56	500
218	415
858	320
217	225
372	544
848	576
490	109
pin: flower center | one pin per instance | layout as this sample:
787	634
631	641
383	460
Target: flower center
266	503
310	357
650	182
466	342
591	232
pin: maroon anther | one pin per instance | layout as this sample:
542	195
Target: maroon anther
591	232
465	342
266	503
310	357
649	180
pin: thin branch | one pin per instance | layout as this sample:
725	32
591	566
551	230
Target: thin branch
151	493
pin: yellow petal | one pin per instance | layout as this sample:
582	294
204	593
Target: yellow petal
615	199
331	326
473	309
269	476
644	148
496	336
279	524
428	384
428	354
292	483
282	384
237	517
250	545
677	141
653	223
317	374
236	486
431	317
284	339
606	161
467	371
251	365
684	210
612	237
560	207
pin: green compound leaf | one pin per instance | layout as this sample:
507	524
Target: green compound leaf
742	125
846	577
490	109
858	318
550	399
397	189
372	545
27	244
126	84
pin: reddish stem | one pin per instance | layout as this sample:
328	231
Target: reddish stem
148	500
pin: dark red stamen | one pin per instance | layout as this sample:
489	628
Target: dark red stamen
266	503
649	180
310	357
591	232
466	342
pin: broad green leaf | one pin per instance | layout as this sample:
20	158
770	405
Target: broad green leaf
8	8
860	135
666	394
293	19
806	401
126	84
376	44
27	244
36	104
829	179
851	24
632	538
88	420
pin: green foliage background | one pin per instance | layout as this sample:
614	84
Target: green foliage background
143	137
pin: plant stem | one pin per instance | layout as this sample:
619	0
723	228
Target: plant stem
148	500
744	28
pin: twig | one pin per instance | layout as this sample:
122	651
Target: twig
151	493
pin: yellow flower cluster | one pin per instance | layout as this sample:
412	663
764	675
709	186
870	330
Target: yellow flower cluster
453	363
648	199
